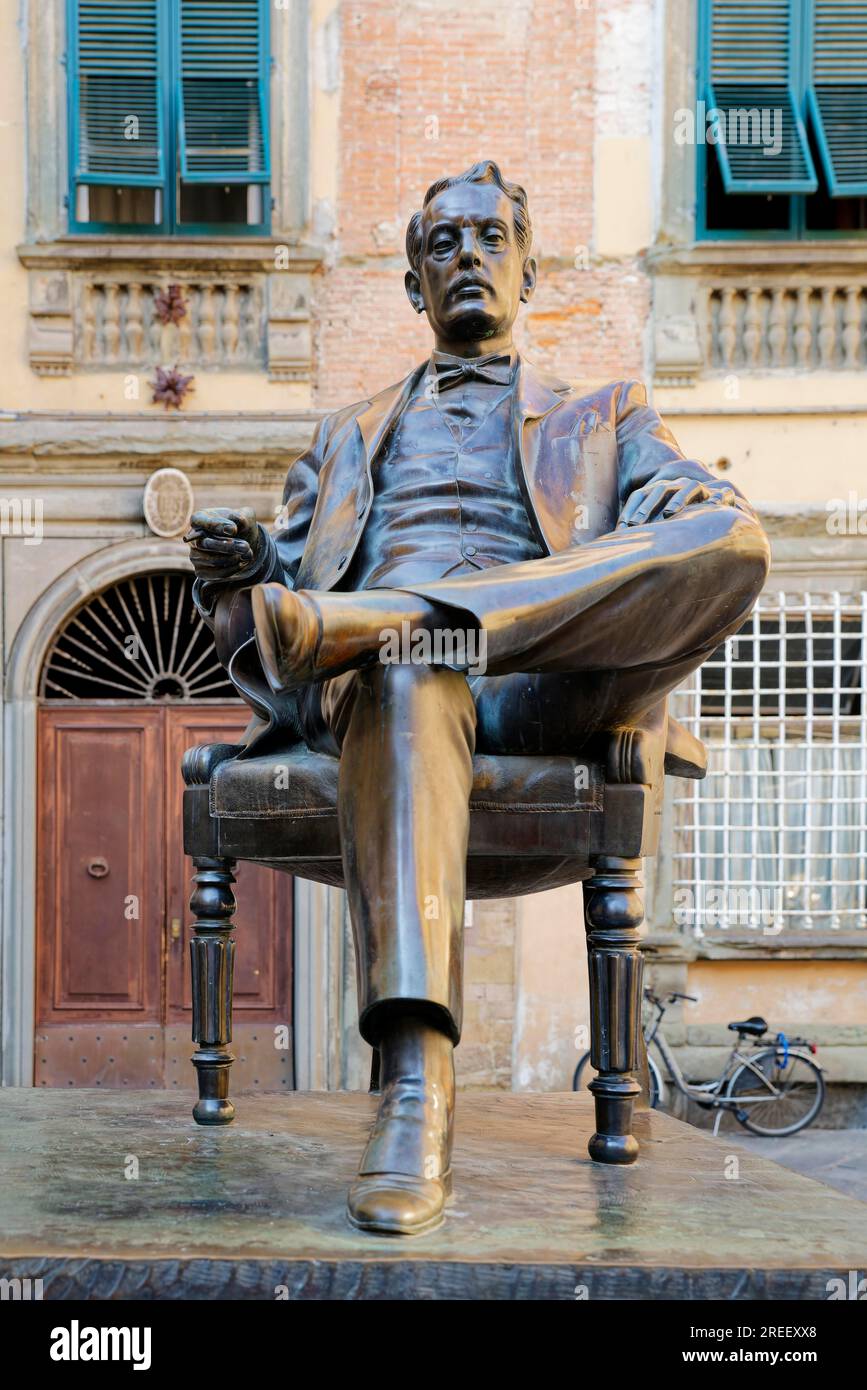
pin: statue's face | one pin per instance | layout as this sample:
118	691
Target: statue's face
472	275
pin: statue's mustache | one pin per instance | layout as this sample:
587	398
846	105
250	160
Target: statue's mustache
468	282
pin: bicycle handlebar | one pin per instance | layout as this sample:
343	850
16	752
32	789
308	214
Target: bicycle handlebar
669	998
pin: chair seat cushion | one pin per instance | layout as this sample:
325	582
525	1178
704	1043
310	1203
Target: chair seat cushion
536	822
300	784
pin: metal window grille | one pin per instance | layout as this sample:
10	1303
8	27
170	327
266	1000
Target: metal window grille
775	838
142	639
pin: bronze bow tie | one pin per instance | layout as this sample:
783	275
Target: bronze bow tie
495	371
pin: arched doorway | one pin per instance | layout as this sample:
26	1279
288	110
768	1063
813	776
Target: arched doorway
130	680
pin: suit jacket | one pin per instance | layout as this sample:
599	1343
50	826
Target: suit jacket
579	459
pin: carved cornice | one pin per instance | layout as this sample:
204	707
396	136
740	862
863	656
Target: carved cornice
778	257
106	438
264	254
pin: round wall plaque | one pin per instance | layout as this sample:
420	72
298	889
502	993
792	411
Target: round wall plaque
168	502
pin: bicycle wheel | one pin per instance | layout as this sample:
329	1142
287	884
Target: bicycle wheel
584	1074
781	1092
657	1086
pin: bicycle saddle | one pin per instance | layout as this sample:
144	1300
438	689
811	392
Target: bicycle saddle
755	1027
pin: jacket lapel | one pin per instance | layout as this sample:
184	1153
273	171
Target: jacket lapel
335	530
376	419
536	395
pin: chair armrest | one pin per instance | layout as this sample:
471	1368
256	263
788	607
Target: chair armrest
685	755
645	754
198	763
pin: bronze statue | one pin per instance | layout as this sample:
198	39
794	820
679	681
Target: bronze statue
578	564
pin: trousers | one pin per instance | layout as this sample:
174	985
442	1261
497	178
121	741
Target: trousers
582	641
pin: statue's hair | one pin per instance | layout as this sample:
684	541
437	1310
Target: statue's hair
486	171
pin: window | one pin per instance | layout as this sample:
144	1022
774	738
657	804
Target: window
774	842
168	116
175	657
782	128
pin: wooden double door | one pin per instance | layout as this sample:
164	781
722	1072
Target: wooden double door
113	971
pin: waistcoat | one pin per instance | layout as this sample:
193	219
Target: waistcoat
447	499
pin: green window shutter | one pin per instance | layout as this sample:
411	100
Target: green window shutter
222	101
837	97
116	106
749	70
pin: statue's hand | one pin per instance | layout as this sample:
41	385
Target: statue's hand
671	495
223	541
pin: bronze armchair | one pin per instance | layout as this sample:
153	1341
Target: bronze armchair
536	823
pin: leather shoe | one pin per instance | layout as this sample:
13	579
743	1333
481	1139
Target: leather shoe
405	1175
396	1205
306	635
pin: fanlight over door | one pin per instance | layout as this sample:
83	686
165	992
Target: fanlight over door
143	639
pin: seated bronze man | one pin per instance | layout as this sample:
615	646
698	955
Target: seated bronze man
586	565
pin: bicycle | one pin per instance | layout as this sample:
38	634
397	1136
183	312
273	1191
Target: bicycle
780	1082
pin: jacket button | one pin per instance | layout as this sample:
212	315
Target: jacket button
470	550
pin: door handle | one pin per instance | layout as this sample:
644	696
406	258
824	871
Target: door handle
98	867
175	929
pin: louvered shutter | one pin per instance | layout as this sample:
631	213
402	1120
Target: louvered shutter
116	55
223	109
838	94
750	70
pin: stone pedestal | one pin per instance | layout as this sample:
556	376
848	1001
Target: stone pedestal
109	1194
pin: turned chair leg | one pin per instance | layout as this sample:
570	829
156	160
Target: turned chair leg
212	953
614	913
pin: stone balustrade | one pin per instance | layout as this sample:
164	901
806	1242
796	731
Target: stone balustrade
116	323
817	326
94	305
758	309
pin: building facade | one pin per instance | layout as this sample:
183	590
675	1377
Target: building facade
201	250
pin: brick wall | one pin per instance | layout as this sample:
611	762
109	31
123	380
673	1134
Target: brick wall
427	88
